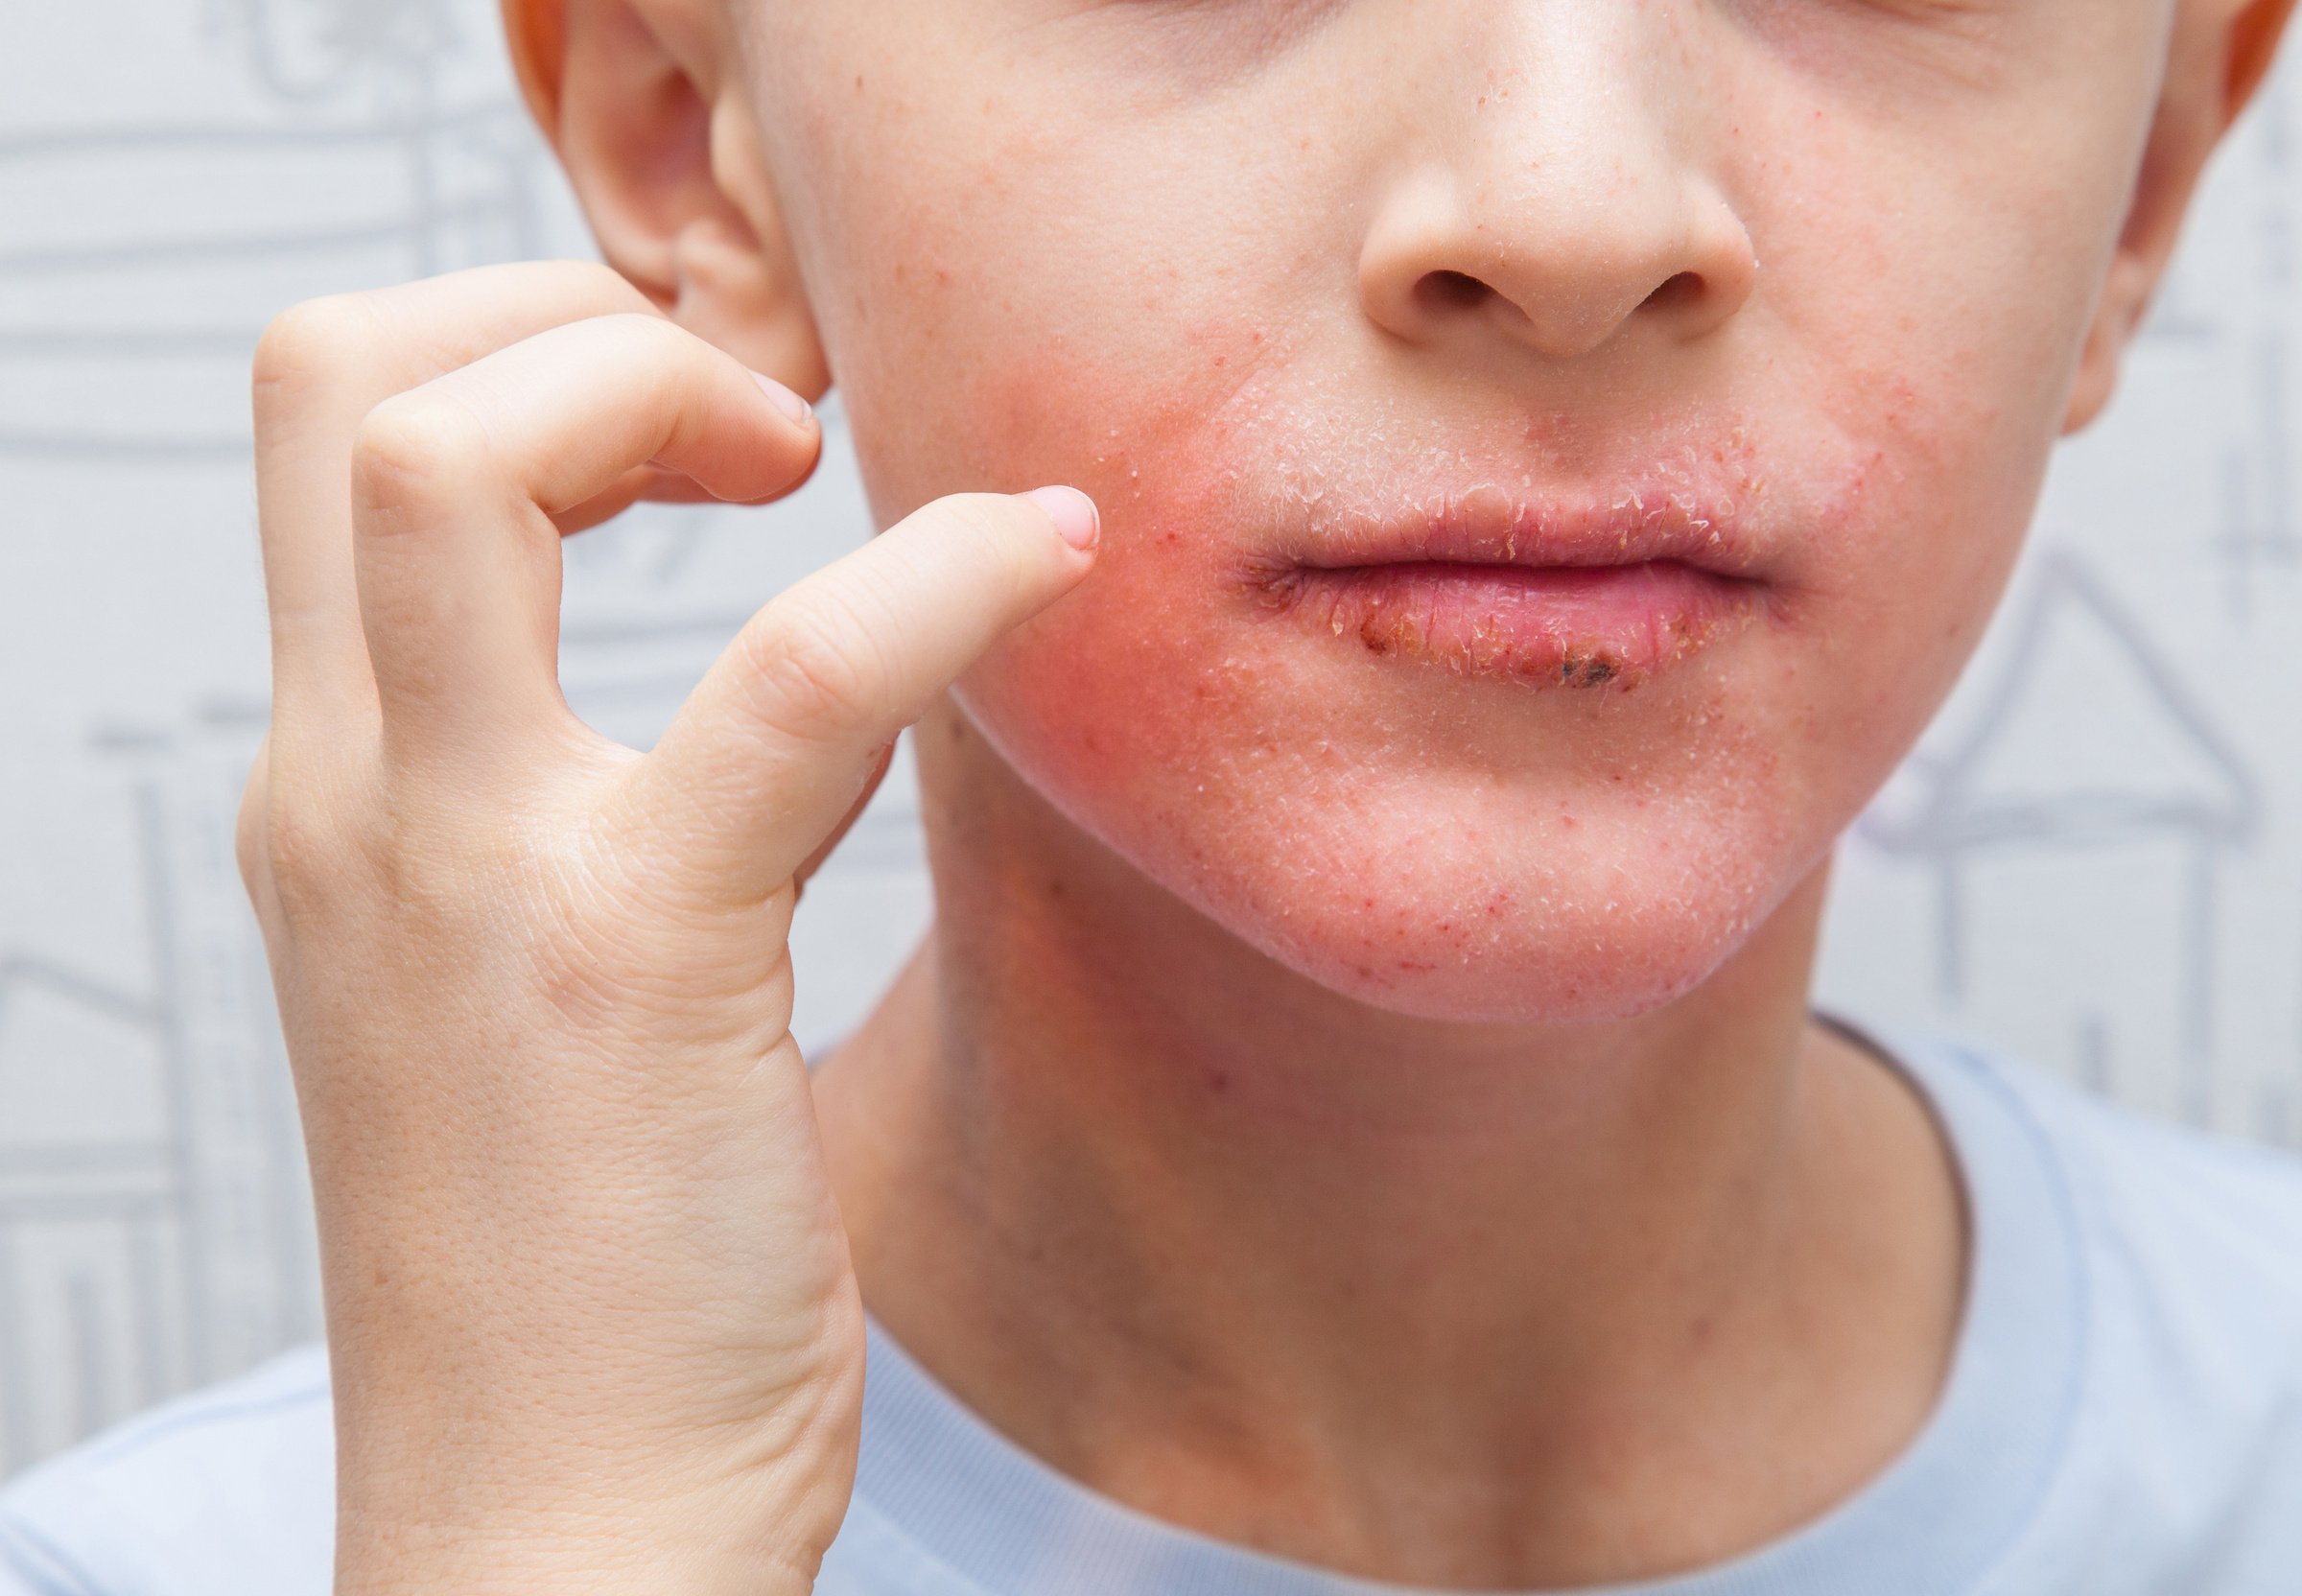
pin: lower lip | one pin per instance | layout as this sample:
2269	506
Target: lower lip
1561	626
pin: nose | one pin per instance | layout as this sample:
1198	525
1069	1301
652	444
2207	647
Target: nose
1563	209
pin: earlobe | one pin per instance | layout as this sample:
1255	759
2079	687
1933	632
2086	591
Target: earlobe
642	104
2116	316
2220	55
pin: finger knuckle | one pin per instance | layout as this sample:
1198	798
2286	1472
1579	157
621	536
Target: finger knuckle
306	346
297	852
675	367
248	842
604	281
816	668
437	882
417	450
302	836
652	334
653	354
371	863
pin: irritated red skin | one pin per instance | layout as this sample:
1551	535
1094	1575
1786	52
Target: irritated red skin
1261	767
1186	339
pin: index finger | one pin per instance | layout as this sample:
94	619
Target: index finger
320	370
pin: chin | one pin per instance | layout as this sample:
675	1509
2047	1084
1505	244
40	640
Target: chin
1423	890
1414	835
1585	932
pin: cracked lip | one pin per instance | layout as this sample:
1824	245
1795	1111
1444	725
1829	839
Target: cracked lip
1598	594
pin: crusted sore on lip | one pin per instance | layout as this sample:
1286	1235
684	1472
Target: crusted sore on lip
1595	668
1585	628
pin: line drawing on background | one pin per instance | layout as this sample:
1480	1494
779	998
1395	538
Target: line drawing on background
356	83
122	1185
2257	510
206	1215
1972	806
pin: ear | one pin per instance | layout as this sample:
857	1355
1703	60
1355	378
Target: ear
643	103
2222	52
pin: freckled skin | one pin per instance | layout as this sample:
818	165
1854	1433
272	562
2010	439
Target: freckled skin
1192	339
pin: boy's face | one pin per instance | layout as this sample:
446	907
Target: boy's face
1553	456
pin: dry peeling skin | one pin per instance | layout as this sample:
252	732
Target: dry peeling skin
1421	818
1533	588
1540	629
1359	783
1383	816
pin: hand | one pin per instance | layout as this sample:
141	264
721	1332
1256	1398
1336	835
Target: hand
590	1309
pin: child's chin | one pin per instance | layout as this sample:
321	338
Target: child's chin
1584	985
1610	959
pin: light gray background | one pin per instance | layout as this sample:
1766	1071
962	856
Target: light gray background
2094	858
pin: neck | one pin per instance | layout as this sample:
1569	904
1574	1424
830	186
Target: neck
1446	1305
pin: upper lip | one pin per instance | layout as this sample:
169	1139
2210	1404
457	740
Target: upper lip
1634	525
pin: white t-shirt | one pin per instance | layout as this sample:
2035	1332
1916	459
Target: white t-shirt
2123	1416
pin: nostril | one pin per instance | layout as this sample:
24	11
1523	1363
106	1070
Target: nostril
1450	290
1683	289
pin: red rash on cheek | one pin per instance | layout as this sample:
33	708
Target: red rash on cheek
1561	854
1129	673
1028	299
1132	669
1115	432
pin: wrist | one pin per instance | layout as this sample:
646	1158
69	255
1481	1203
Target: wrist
490	1489
576	1536
405	1561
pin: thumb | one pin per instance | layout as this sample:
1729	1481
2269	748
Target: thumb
780	737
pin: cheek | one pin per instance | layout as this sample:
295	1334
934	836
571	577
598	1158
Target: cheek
1440	848
1443	849
1447	849
1908	569
1008	406
1143	669
1941	352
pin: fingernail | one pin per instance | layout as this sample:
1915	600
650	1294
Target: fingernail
786	401
1073	513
